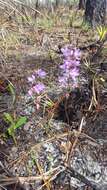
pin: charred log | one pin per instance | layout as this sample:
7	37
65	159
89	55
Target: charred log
95	12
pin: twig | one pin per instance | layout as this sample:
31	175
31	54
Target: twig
83	179
72	147
56	137
11	180
46	183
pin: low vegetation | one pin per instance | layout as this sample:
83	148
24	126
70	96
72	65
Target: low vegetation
53	79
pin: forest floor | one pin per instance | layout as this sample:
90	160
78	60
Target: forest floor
64	145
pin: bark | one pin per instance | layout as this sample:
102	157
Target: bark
95	12
82	4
